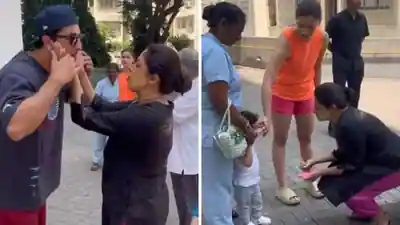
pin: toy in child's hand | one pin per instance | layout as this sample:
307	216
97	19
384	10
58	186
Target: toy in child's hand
307	175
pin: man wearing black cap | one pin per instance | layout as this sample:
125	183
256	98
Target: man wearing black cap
32	95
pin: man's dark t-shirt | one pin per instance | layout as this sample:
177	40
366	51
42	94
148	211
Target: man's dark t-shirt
347	34
30	168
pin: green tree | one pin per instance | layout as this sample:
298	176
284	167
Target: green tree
93	43
180	42
29	9
106	32
149	21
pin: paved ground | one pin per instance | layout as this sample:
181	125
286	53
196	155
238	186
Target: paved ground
77	201
381	85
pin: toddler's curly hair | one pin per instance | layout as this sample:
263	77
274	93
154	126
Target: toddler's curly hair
250	116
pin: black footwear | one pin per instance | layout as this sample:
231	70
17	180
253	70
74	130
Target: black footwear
355	217
234	214
95	167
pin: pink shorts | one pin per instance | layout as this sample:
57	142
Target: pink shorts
289	107
23	217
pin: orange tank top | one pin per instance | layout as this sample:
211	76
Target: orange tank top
295	80
125	94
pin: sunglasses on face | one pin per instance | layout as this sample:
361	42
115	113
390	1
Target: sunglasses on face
72	38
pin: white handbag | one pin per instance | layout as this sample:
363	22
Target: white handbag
229	139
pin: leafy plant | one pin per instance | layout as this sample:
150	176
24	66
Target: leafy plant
180	42
106	32
93	43
149	21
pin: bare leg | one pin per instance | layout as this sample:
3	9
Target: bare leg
382	218
281	125
305	128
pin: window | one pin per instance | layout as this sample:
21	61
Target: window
107	4
188	4
375	4
190	24
272	13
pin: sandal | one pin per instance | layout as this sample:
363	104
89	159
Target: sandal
388	220
287	196
313	190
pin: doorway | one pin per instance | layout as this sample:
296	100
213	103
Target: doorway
330	9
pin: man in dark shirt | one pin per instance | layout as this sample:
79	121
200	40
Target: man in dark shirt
347	31
32	96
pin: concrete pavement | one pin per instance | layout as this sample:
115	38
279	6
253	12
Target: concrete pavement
78	200
380	88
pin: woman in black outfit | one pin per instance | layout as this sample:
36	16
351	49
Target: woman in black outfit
140	138
366	162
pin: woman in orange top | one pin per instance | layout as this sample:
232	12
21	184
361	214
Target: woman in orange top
127	61
288	90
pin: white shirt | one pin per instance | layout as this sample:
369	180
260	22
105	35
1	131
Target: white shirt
184	155
247	176
108	90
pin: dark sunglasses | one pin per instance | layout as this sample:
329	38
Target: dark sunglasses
72	38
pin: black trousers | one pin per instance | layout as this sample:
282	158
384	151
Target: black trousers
347	73
350	73
186	196
134	200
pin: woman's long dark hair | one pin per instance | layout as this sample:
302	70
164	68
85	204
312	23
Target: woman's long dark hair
331	94
164	61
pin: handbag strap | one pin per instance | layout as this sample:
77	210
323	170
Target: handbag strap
227	115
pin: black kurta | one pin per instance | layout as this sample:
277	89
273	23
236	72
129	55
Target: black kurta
366	149
135	157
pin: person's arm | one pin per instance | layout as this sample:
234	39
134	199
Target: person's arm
366	31
271	72
99	87
216	74
133	120
247	159
330	171
318	63
331	30
88	91
99	104
324	159
195	221
22	109
186	106
96	102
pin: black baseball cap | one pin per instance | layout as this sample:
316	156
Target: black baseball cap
53	18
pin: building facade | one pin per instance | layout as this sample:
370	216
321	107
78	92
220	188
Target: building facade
383	15
186	22
108	13
383	18
11	43
267	18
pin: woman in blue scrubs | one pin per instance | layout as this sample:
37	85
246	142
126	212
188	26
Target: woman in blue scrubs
220	83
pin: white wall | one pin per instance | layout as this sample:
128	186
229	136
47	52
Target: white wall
10	20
